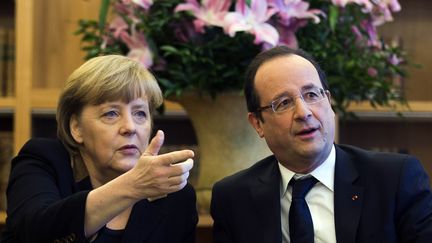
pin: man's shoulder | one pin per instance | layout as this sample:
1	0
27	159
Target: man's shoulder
243	177
357	152
367	159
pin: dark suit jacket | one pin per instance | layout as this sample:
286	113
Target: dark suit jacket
394	200
46	205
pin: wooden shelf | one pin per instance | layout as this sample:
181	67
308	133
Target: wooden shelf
205	220
415	110
7	103
413	106
2	217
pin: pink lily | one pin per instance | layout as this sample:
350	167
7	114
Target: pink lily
210	13
126	9
372	72
288	32
298	9
372	33
252	20
145	4
395	60
365	3
384	11
138	48
118	26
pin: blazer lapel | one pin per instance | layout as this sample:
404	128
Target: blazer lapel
348	198
266	199
144	219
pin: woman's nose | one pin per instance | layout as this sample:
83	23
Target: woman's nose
128	126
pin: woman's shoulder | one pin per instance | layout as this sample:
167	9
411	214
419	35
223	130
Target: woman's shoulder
42	150
43	147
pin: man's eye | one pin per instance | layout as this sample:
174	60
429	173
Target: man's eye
311	94
283	103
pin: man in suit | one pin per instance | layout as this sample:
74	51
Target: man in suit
353	195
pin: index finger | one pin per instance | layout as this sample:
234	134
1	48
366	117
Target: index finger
175	157
185	165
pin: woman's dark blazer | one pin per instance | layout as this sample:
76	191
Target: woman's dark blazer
46	205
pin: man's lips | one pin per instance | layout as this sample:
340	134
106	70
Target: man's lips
306	131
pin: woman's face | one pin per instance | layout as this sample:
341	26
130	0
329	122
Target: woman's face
113	136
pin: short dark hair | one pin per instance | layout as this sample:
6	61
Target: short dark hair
252	98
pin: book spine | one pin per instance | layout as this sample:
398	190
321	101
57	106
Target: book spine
6	153
10	81
3	74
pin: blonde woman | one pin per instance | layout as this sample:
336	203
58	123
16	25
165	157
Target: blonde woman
102	180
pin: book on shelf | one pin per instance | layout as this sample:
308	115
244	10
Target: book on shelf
7	62
6	153
3	64
10	81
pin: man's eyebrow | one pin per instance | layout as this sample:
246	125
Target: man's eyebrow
309	86
287	94
283	94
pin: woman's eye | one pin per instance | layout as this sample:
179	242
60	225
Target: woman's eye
110	114
140	114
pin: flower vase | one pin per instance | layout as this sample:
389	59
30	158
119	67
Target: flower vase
227	142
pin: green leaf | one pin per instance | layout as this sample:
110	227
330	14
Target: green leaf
333	16
169	49
103	12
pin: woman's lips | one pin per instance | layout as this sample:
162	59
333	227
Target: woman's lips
129	150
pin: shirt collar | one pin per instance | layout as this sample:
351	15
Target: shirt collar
324	173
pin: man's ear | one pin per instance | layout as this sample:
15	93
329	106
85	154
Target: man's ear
75	128
328	94
256	123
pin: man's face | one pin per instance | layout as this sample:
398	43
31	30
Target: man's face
300	137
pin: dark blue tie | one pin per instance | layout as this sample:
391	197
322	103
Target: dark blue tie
300	220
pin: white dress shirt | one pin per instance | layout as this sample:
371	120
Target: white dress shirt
320	200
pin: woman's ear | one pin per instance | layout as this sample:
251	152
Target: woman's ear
256	124
75	128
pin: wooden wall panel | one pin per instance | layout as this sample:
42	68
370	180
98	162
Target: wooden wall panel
402	135
413	25
58	49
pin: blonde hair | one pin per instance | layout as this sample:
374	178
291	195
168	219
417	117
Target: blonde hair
103	79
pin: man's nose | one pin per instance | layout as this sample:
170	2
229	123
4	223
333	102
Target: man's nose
301	109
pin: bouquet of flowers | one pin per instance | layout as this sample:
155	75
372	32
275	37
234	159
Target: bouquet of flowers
204	46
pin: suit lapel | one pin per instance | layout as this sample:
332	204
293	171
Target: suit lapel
145	218
266	199
348	198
